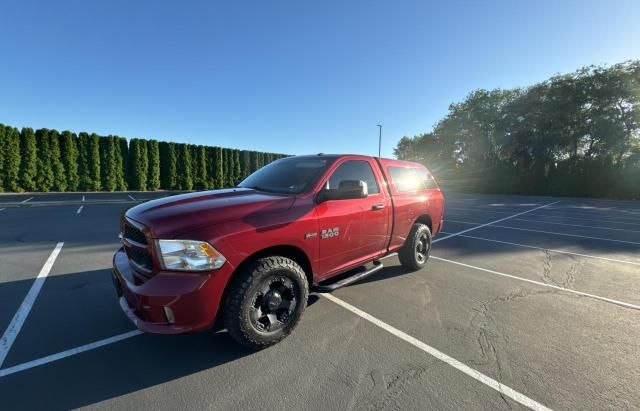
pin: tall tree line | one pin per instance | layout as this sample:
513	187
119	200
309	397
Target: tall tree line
575	134
46	160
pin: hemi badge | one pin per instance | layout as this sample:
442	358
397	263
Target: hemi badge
310	235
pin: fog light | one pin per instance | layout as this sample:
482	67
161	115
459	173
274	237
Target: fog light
169	314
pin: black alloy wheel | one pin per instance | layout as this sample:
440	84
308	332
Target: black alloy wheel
273	304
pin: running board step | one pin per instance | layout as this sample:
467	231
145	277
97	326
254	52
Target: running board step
325	288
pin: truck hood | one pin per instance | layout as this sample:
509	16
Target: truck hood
176	215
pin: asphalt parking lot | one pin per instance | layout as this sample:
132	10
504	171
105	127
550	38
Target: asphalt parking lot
526	302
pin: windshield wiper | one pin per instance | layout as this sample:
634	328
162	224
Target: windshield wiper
258	188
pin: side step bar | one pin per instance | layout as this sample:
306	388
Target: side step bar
325	288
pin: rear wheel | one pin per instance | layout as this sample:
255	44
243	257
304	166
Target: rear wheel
266	302
415	252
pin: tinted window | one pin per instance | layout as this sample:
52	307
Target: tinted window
288	175
406	179
354	170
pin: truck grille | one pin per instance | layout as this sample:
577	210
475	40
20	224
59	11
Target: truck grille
139	257
132	233
137	248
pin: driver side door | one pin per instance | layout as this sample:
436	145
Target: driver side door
352	230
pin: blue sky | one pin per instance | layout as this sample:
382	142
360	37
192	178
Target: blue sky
286	76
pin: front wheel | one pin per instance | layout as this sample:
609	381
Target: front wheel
266	302
416	249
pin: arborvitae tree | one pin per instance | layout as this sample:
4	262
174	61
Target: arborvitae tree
59	175
83	162
218	175
245	162
237	167
254	160
193	152
94	162
108	167
200	163
44	171
3	145
185	181
29	159
126	174
209	160
139	161
121	183
168	164
69	156
153	181
11	159
232	168
226	167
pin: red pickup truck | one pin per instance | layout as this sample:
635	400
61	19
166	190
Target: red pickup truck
247	256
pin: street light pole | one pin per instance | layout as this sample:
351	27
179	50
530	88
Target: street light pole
379	139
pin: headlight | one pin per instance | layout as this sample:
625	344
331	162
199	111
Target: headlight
188	255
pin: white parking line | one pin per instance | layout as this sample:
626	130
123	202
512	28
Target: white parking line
538	231
477	375
131	197
577	225
568	290
545	249
20	316
590	218
80	209
67	353
496	221
2	209
82	198
28	199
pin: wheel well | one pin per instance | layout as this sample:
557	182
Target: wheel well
425	219
292	252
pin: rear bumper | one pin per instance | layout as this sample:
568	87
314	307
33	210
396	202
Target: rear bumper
192	299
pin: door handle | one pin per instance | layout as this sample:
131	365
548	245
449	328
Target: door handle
377	207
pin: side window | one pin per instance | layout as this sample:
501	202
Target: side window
428	182
354	170
407	179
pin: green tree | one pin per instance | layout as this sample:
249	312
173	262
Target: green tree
573	134
254	161
200	161
185	181
124	183
83	162
94	162
168	166
108	168
44	170
227	168
29	159
11	165
139	161
119	152
153	181
3	145
69	156
218	173
245	164
57	167
237	167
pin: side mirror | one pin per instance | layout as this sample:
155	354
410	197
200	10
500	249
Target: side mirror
347	190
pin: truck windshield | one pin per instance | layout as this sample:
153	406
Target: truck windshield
290	175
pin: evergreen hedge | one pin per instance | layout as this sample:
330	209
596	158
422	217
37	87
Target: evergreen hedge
46	160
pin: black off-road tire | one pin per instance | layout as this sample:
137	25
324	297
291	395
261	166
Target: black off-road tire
244	295
416	249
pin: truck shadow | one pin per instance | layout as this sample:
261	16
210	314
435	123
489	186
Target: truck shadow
76	309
